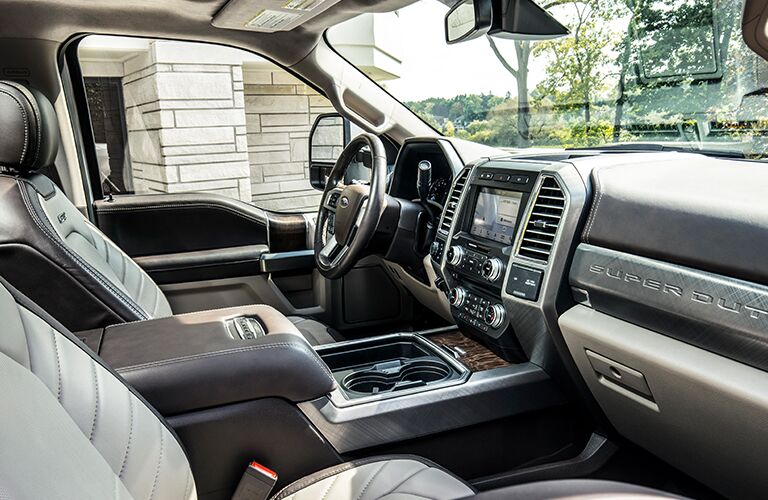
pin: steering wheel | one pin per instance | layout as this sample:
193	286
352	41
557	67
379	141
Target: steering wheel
348	215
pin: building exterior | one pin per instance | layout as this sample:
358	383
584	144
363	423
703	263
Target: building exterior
173	117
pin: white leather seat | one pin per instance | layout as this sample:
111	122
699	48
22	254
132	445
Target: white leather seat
71	428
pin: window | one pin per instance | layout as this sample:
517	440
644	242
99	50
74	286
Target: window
176	117
671	72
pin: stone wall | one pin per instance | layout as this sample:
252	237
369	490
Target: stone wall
202	117
280	110
185	116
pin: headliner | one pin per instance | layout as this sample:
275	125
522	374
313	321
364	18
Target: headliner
59	20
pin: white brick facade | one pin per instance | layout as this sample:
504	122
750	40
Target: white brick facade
207	118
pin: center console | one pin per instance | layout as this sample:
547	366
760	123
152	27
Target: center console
482	235
501	247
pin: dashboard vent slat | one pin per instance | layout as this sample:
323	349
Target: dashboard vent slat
540	231
453	202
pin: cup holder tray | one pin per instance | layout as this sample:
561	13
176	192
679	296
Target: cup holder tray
390	365
397	375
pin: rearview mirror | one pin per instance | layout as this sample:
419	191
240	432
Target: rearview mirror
467	19
513	19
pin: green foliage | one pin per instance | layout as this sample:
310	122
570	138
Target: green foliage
631	70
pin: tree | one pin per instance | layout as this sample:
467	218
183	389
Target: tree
577	65
520	74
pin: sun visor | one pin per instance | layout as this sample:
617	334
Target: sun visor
268	16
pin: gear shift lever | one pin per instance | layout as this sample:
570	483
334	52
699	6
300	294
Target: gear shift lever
424	180
425	236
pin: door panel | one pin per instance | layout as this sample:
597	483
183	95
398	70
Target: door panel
208	251
174	223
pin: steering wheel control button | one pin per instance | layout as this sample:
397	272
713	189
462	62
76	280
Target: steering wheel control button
524	283
455	255
457	296
333	199
492	269
494	315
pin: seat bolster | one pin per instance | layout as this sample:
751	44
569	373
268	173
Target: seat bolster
391	477
583	489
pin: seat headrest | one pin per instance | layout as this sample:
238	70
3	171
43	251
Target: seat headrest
29	132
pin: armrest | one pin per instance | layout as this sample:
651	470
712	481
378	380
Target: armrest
203	264
193	361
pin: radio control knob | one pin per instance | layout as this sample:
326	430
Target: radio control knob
455	255
492	269
494	315
457	296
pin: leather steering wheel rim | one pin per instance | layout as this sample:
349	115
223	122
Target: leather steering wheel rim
356	210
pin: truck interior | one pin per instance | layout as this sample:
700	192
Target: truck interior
346	249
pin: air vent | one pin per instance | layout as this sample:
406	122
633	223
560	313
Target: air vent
547	211
453	201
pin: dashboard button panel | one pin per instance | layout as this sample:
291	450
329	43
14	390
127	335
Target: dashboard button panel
524	283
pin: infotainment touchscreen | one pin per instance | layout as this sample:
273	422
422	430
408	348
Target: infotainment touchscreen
495	215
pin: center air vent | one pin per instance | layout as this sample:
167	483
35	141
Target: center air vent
453	202
539	234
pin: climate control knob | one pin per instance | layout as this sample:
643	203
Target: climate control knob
492	269
455	255
457	296
494	315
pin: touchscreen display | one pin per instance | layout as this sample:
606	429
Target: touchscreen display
496	214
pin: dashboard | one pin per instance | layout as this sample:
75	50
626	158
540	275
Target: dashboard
643	275
636	279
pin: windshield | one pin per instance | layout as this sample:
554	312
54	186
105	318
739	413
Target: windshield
671	72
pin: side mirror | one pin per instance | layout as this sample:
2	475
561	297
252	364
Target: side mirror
329	135
468	19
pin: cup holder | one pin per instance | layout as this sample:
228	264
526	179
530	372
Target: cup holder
397	375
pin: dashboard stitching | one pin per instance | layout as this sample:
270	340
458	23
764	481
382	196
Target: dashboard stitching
593	214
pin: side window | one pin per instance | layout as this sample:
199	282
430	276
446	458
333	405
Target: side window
176	117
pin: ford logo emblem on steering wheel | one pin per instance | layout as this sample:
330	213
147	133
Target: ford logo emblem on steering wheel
344	202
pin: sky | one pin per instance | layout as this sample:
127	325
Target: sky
431	68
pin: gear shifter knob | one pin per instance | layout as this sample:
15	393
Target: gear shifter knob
424	179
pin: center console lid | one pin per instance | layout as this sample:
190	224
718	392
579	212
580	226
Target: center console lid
211	358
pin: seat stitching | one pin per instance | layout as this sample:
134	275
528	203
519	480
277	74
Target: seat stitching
26	124
330	486
130	437
157	301
96	405
140	289
38	120
188	486
414	495
26	340
58	363
159	461
193	357
78	260
370	481
406	480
